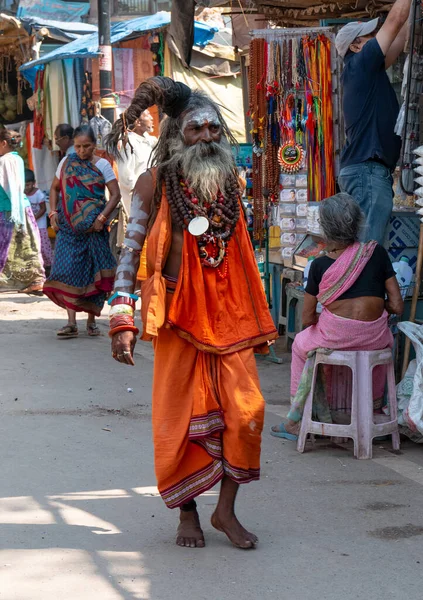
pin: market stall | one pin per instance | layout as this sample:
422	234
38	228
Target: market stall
73	73
297	136
15	49
291	110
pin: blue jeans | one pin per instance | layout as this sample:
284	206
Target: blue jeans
370	184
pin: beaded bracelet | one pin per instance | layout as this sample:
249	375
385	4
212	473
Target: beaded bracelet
131	250
123	328
122	295
121	309
121	320
123	302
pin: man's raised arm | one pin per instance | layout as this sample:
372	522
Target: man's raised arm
391	29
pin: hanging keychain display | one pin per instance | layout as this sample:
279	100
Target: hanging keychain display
291	157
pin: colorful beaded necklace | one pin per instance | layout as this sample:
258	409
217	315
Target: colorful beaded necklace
213	222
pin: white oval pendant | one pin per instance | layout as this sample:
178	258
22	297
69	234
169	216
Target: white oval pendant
198	226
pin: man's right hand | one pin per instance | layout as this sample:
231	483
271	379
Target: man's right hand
123	344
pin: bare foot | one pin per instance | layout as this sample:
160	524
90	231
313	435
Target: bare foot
240	537
190	534
290	427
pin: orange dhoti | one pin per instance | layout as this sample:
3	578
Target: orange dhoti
207	406
207	418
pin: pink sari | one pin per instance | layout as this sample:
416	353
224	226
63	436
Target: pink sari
338	333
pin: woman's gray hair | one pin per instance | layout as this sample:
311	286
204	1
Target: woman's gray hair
340	219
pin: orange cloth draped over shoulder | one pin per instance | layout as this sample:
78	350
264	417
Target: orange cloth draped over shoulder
142	269
207	406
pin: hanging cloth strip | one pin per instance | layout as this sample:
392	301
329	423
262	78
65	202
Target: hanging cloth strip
319	131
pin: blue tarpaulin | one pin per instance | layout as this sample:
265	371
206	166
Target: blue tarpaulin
87	46
54	9
59	30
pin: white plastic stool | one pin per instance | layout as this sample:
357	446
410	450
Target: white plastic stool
363	427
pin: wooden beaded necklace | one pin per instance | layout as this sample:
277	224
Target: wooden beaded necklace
221	213
257	71
273	132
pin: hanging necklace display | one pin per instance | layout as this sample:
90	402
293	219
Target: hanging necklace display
291	154
272	170
257	102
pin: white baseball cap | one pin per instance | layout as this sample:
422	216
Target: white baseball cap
351	31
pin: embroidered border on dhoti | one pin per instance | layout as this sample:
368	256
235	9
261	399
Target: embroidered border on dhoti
240	475
213	446
204	425
194	485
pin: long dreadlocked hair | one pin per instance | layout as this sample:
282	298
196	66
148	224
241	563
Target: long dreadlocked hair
175	99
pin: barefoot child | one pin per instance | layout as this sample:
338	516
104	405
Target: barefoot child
38	204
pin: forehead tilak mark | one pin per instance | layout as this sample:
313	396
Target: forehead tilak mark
200	116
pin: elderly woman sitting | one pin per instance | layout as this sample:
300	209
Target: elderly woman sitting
352	281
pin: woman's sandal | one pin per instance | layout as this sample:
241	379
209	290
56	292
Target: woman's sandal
280	432
35	289
68	331
93	330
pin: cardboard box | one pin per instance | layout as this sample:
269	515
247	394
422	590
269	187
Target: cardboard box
403	230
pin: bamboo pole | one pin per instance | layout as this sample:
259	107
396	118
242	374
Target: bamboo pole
413	308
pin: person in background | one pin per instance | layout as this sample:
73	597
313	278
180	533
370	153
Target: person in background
63	138
371	110
37	199
356	285
21	266
83	269
133	161
135	155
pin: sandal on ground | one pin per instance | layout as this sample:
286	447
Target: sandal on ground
35	288
68	331
93	330
280	432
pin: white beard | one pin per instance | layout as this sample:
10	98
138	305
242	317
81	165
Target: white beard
206	166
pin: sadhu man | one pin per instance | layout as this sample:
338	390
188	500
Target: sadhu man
203	306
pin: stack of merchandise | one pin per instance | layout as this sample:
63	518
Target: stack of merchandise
292	212
419	180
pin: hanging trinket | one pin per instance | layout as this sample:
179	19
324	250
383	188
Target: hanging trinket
198	226
291	157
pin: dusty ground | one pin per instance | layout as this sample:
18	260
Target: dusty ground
81	520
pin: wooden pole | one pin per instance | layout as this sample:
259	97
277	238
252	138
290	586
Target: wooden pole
413	308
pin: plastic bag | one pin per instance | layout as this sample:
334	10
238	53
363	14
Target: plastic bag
411	412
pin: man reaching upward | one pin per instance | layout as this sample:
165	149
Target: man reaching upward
371	110
203	306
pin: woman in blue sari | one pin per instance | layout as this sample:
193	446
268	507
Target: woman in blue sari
83	268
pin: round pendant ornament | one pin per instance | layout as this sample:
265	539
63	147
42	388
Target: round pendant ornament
198	226
291	157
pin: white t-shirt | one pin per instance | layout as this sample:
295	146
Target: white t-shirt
35	201
102	165
133	163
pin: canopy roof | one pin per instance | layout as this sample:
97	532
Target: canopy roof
289	13
58	30
311	12
87	46
14	30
